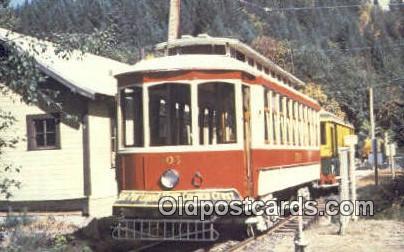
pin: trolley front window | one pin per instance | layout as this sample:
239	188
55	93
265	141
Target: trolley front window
170	115
132	113
217	119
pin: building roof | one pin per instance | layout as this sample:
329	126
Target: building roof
84	73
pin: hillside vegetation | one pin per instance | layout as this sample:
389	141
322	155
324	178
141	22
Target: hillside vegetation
340	51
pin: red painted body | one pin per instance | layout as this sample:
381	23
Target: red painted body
219	169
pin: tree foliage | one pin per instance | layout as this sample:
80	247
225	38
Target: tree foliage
329	104
7	169
345	50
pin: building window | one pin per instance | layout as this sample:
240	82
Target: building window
43	132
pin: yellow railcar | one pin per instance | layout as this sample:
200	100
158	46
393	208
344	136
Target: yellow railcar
333	131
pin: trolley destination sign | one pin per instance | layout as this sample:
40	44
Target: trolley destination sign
151	198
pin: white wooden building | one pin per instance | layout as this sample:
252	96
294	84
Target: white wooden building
67	162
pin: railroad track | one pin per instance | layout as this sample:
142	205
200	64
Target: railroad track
243	244
287	226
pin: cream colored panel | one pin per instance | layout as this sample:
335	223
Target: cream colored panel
278	179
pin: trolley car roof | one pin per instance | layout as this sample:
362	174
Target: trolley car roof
326	116
204	39
188	62
198	62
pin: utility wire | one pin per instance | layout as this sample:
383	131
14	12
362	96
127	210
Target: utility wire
270	9
351	48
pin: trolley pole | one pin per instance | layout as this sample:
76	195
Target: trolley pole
174	20
374	140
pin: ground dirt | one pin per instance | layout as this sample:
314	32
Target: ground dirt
382	232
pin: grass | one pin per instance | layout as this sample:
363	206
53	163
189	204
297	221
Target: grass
388	197
25	233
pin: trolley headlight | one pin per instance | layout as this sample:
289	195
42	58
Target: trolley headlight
169	179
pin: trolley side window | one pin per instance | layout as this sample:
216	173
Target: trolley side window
323	133
217	119
132	113
268	117
170	115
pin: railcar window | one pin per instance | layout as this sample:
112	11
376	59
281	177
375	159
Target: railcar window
269	117
333	144
287	133
132	113
291	123
306	126
323	133
219	49
170	114
172	51
275	117
296	122
240	56
301	128
282	112
309	127
315	128
197	49
232	52
266	117
217	119
250	61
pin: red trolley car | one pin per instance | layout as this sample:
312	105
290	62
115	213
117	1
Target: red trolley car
212	118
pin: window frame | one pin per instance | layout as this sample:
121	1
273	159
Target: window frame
323	133
123	121
149	107
201	141
194	84
31	132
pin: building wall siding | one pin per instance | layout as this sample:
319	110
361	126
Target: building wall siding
45	174
103	176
